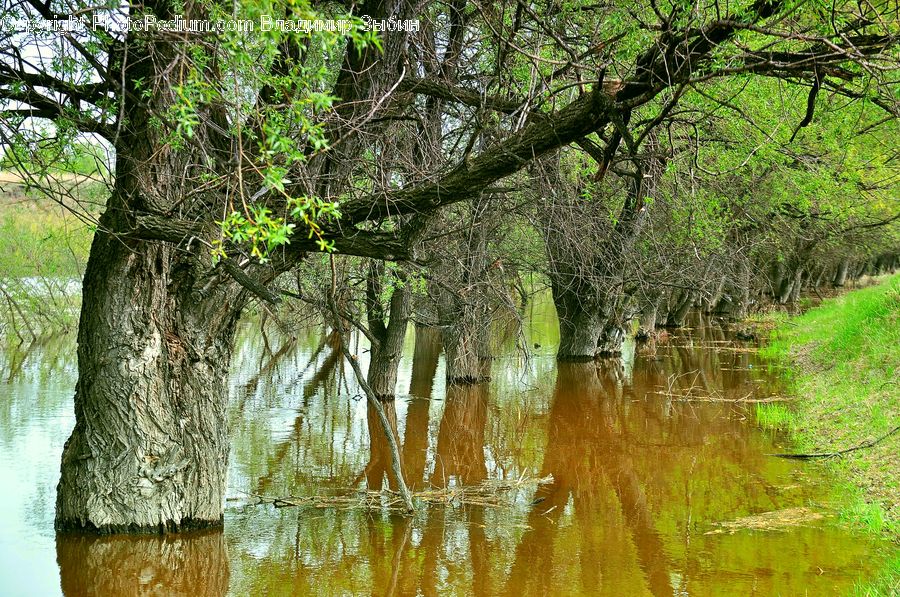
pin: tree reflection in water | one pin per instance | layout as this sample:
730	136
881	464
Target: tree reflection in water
189	564
640	477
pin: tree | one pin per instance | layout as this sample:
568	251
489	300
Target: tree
233	150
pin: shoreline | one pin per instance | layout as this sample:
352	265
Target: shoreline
842	361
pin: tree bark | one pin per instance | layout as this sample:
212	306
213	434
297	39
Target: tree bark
612	335
149	449
678	312
735	301
647	325
580	326
466	339
464	303
388	337
840	276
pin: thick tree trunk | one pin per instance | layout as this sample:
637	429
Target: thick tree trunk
466	339
580	326
840	276
735	301
789	291
647	325
149	449
783	295
388	337
465	307
609	343
680	308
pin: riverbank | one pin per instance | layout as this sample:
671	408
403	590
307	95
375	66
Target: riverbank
842	361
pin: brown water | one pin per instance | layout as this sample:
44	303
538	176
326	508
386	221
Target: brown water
642	481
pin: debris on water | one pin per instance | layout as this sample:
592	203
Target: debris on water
486	493
776	520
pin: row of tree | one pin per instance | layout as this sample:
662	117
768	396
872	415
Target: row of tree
637	158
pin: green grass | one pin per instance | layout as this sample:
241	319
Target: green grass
843	364
37	242
887	584
43	248
775	415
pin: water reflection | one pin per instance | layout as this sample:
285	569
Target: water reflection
594	478
459	457
194	564
647	455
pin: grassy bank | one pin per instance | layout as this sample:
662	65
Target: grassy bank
43	250
844	365
842	361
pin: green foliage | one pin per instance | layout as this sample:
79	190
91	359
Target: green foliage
263	232
887	584
56	154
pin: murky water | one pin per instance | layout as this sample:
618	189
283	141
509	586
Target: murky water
651	462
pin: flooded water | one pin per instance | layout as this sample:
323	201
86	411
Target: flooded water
660	481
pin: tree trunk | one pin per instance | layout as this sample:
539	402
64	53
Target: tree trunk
465	306
786	288
580	326
609	343
647	326
149	449
466	339
679	310
735	301
776	279
388	337
708	303
796	287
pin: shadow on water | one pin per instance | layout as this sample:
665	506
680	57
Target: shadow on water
649	456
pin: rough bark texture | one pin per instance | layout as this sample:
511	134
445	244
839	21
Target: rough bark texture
579	326
609	343
466	340
387	336
149	449
464	303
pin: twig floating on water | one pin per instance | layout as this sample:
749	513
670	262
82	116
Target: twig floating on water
865	444
486	493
